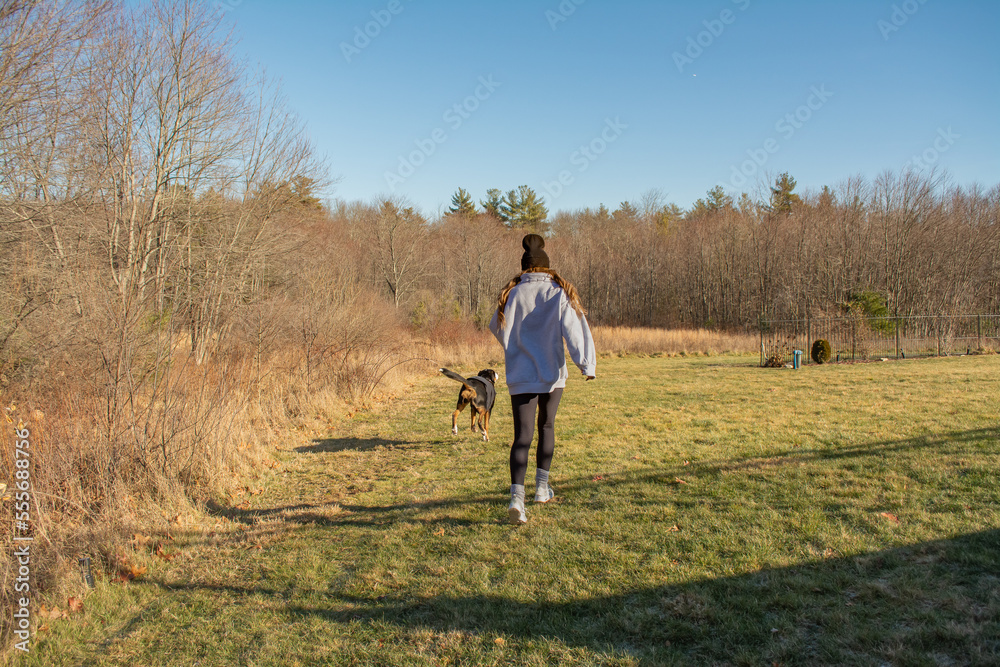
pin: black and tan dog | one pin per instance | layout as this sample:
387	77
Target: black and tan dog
481	393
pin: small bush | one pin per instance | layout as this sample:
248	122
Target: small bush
821	351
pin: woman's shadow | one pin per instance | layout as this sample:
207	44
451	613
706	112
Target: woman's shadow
328	445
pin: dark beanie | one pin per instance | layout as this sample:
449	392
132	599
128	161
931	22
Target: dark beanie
534	255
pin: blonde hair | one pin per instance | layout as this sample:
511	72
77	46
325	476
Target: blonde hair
565	285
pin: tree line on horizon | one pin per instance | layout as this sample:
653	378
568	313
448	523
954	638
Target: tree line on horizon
902	244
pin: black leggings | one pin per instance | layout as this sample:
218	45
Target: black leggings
524	408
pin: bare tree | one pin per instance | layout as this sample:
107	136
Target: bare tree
472	242
396	234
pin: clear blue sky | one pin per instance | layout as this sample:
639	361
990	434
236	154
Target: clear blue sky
822	89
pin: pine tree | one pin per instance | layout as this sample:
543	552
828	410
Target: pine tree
716	200
523	209
666	216
827	200
493	204
304	189
782	197
626	212
462	204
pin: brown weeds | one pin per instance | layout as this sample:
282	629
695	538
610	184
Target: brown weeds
671	342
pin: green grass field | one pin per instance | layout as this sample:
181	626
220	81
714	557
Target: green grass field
708	512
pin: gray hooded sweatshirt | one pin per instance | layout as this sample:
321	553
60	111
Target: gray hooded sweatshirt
538	318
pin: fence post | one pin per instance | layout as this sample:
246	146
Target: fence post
760	325
939	334
979	332
897	336
854	338
809	335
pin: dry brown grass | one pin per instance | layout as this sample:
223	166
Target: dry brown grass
671	342
459	344
465	346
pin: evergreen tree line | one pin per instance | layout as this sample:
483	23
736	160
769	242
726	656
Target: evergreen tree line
903	244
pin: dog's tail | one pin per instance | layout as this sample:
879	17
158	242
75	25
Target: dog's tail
455	376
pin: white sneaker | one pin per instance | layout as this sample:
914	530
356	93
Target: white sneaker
516	511
544	493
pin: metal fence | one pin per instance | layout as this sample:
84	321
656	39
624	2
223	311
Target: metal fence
872	338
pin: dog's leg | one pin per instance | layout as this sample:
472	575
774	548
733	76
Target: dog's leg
486	427
472	413
454	421
479	420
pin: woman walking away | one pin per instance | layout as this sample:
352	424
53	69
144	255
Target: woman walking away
536	311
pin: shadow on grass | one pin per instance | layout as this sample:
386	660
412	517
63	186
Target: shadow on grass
325	445
340	513
931	603
336	514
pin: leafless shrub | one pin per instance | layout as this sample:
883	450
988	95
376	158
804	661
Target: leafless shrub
778	354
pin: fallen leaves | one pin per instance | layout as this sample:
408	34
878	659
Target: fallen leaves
53	614
597	478
678	480
74	605
159	551
128	571
139	541
890	516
